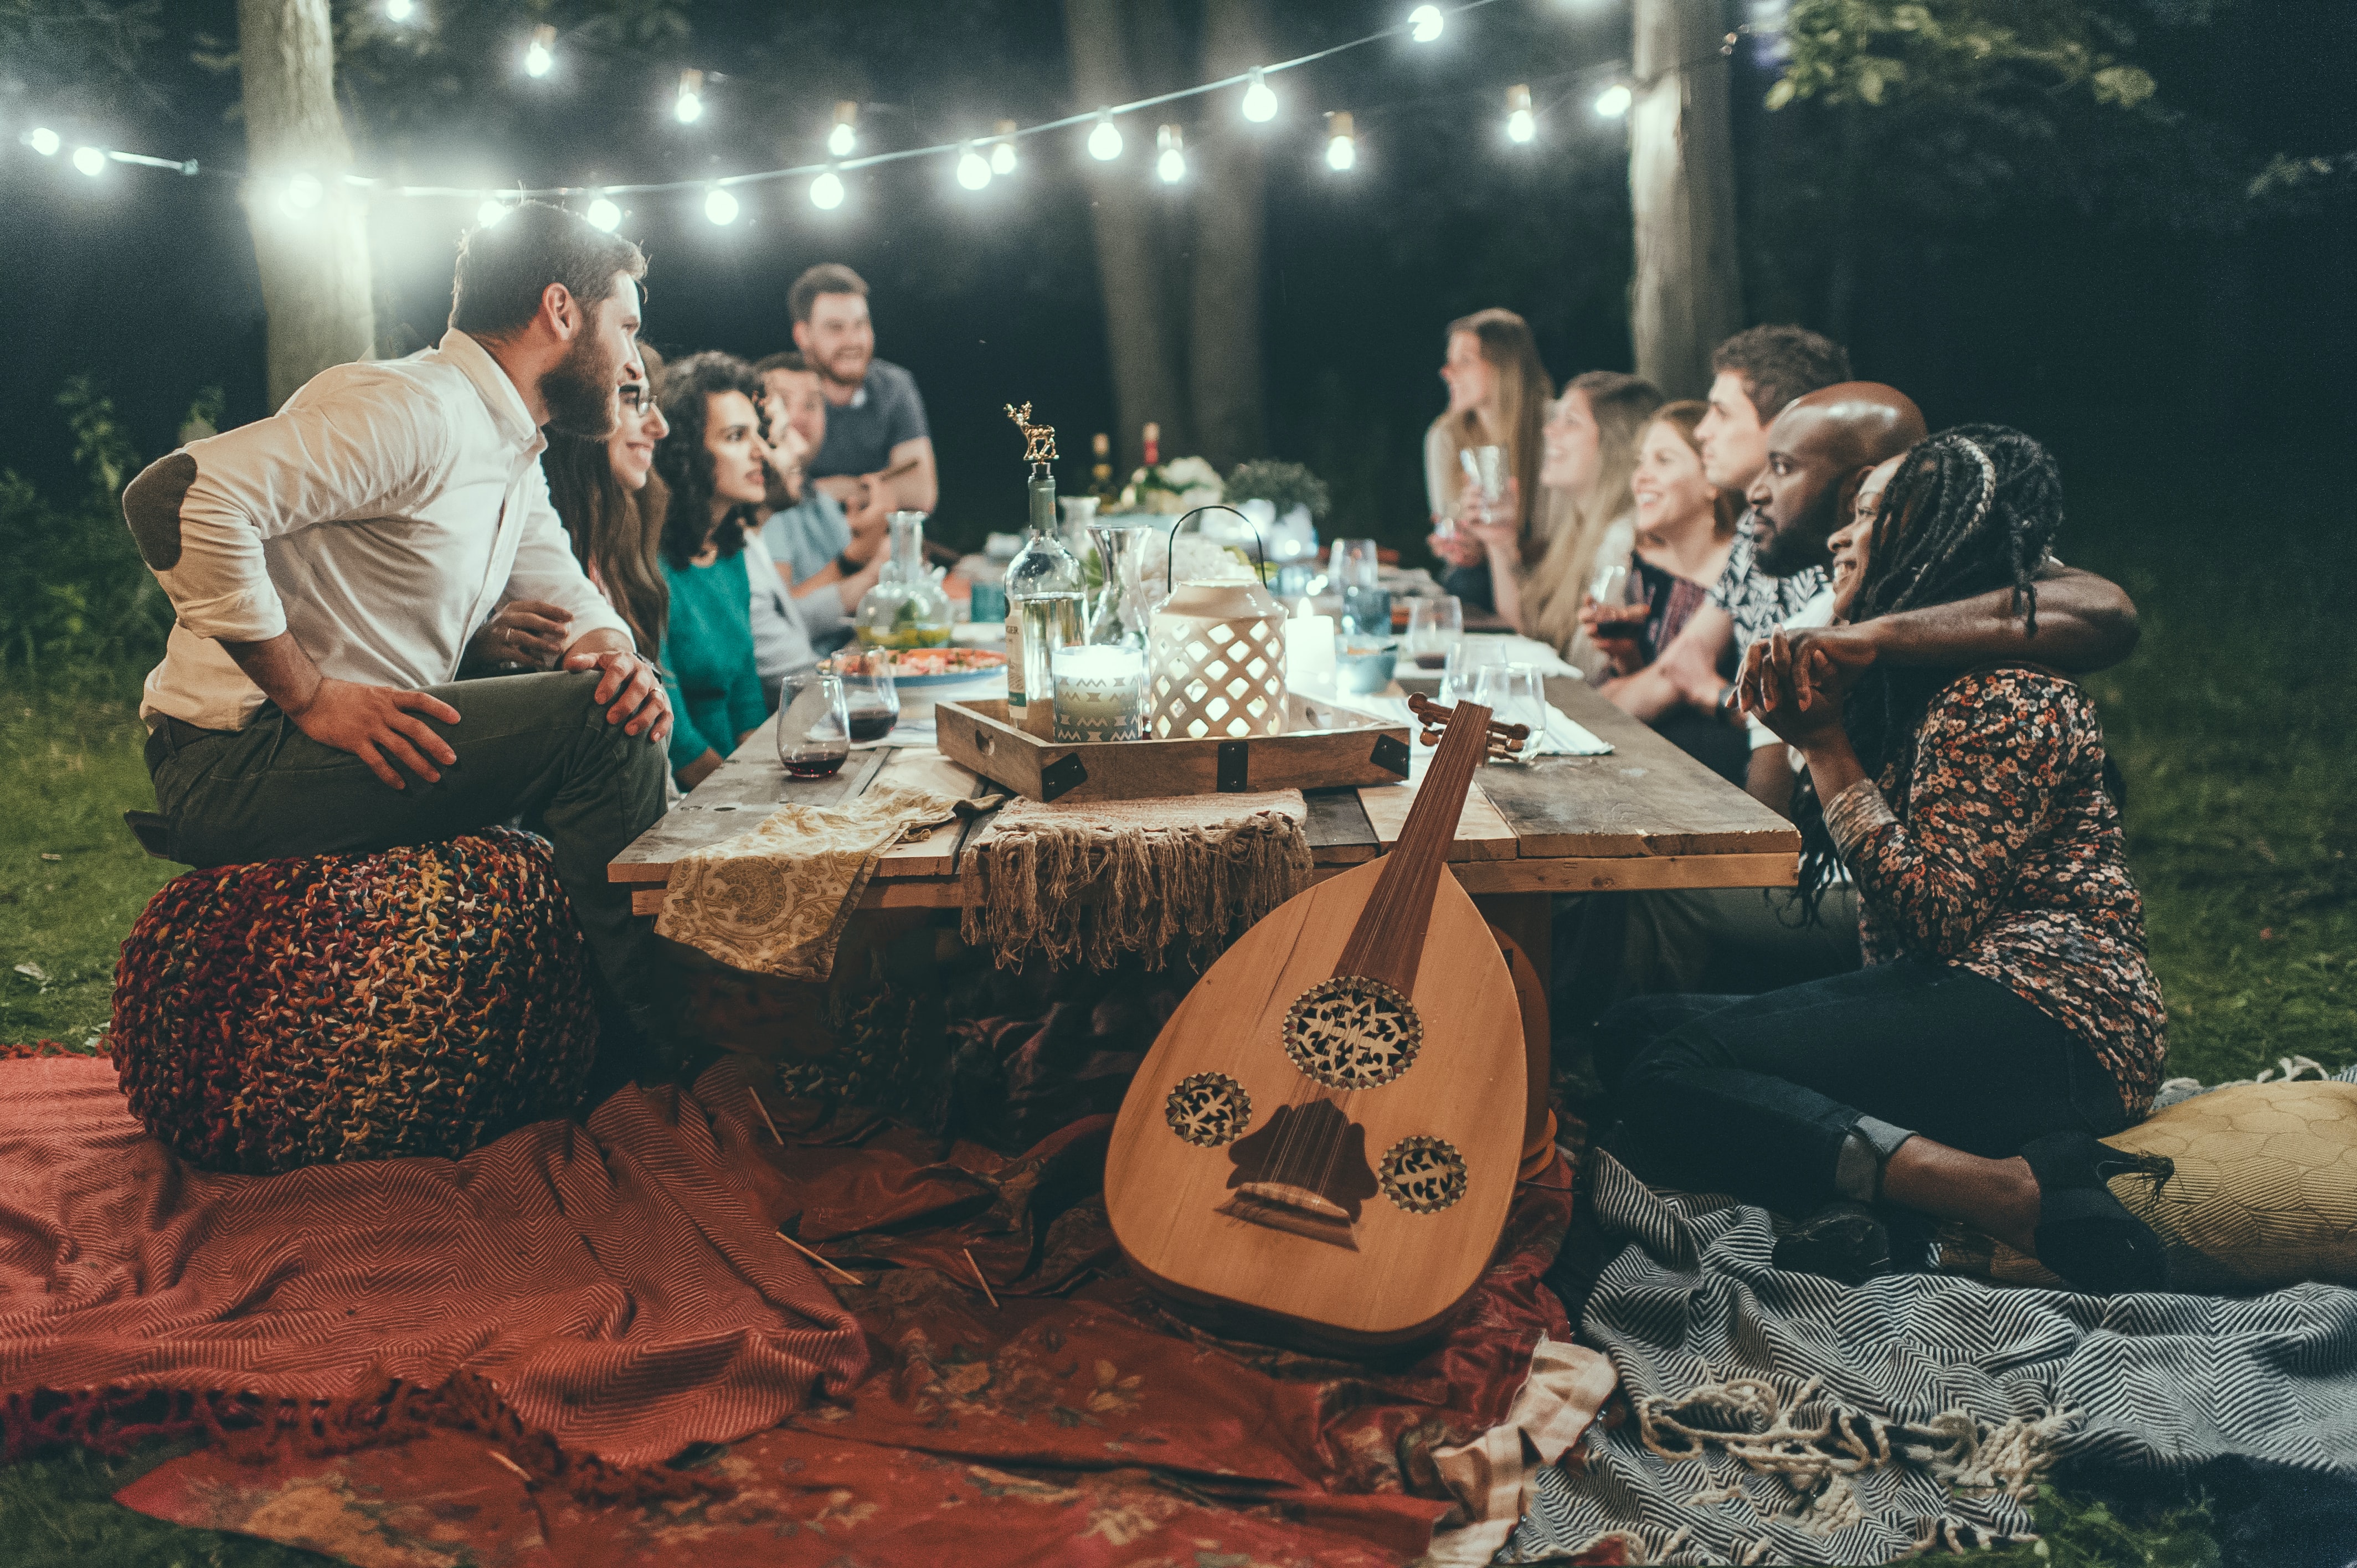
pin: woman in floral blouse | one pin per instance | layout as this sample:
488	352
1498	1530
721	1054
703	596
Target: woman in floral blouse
2006	1015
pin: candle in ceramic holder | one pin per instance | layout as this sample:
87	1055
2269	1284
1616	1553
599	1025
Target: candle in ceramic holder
1099	691
1309	653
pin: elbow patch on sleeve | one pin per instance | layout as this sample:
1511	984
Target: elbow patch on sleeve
151	505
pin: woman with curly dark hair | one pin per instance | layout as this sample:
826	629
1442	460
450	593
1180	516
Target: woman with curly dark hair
713	465
2006	1016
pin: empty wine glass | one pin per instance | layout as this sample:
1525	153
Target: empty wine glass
1352	564
1464	663
814	724
1515	694
1433	626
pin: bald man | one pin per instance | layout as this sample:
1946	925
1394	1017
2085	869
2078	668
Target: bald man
1820	449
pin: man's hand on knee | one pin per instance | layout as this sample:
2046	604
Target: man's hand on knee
381	727
632	688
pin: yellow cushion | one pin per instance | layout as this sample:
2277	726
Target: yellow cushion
2264	1193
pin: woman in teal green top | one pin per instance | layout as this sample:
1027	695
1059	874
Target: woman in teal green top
713	462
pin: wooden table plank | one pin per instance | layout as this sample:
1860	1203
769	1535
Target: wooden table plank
1481	833
935	855
743	789
1339	831
1647	798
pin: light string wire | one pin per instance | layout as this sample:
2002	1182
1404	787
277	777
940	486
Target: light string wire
191	166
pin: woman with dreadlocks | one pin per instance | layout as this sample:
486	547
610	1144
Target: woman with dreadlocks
2006	1015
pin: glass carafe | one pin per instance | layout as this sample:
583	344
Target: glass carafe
1122	613
907	608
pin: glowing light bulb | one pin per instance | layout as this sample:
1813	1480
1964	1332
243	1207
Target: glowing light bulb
1424	23
1614	101
688	107
302	192
491	211
400	10
826	191
1342	147
540	55
604	214
92	161
720	206
972	168
1105	142
1002	157
843	137
1170	163
1521	123
44	141
1260	99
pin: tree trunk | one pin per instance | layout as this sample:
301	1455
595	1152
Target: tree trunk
1130	251
1687	294
1224	379
315	262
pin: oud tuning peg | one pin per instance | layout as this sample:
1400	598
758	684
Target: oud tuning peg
1431	738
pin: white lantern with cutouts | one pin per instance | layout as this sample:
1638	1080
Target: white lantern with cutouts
1215	662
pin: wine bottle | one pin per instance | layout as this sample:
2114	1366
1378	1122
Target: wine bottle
1100	484
1152	443
1043	609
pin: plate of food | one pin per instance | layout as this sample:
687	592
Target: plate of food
921	667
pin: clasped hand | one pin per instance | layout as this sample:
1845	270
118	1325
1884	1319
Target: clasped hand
1795	680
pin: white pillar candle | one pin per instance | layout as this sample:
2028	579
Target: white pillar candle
1309	654
1098	692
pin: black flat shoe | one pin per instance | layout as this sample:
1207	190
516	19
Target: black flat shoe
2084	1233
1844	1241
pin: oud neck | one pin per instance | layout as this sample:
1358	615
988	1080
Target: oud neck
1388	941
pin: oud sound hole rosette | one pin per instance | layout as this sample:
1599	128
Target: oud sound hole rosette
1423	1175
1352	1033
1208	1109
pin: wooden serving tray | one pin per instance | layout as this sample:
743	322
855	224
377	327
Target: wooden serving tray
1325	745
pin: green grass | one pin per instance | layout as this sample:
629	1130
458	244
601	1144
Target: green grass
2233	722
71	877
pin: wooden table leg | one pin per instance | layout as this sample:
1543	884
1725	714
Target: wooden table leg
1525	923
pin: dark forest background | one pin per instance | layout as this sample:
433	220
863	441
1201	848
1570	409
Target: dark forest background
2169	282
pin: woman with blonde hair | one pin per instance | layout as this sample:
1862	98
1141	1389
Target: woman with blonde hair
1586	512
1498	396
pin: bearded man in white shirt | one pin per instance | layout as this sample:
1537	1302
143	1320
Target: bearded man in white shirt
330	566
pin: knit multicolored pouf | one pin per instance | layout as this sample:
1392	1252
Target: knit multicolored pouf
418	1000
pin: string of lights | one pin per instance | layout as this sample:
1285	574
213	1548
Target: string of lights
977	161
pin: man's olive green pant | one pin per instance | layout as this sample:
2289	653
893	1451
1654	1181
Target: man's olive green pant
530	747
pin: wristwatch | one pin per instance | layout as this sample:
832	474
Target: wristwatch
847	565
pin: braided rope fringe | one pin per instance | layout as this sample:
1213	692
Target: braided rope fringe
1816	1446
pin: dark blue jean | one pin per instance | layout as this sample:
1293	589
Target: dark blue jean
1754	1096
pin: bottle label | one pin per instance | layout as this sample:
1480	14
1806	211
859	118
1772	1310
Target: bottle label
1014	701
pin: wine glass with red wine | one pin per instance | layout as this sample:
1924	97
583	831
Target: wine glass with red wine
869	697
814	724
1433	626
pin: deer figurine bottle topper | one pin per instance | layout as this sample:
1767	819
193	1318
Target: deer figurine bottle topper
1039	440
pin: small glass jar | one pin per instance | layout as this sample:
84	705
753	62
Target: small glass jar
907	608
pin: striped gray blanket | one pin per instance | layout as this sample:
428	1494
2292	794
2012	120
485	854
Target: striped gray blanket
1855	1425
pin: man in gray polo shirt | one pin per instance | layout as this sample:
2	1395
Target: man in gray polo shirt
879	448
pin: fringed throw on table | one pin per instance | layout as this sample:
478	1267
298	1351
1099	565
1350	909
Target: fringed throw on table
775	899
1092	881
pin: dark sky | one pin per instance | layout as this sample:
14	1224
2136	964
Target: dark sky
2094	315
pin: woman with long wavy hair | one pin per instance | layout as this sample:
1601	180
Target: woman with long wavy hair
713	464
2006	1017
598	488
1498	396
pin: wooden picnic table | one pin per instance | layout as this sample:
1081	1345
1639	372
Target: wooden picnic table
1646	816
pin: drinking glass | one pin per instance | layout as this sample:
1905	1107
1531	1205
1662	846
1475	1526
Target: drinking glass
1433	626
1515	694
1351	565
814	724
1609	593
870	698
1463	666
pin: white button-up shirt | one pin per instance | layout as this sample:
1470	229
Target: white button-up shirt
380	517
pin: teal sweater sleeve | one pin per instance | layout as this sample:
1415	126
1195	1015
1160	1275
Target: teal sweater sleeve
687	742
746	709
